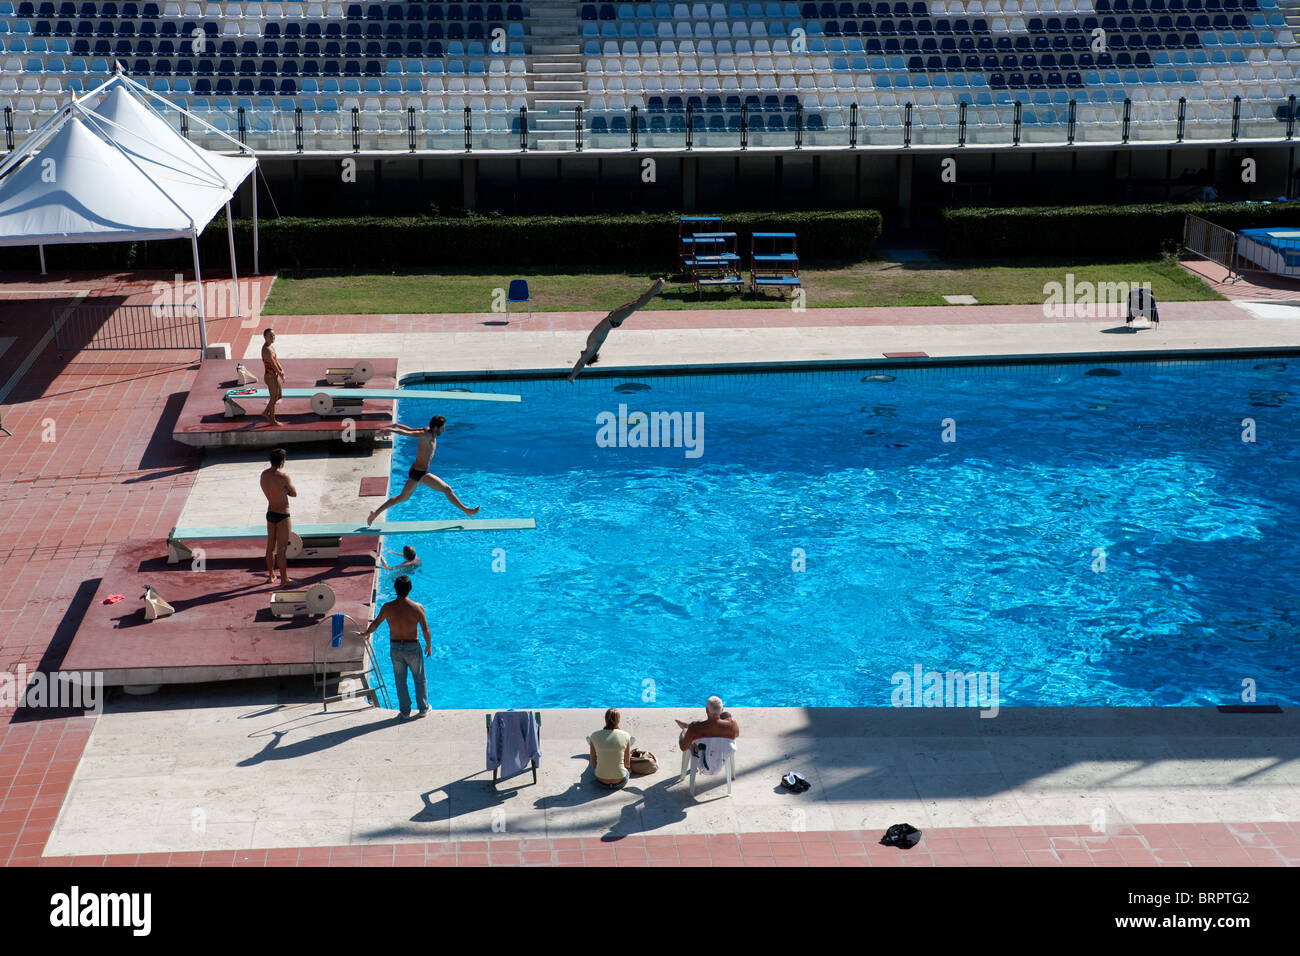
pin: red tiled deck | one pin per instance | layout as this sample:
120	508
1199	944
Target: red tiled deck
1180	845
110	471
1255	286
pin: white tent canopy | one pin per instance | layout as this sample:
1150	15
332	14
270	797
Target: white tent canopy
108	168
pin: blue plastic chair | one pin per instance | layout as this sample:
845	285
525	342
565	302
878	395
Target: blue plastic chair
518	292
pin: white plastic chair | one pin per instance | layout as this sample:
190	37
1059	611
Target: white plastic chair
729	766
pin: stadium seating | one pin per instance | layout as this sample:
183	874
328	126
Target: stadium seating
775	73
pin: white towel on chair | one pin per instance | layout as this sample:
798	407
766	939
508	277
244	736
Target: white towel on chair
711	754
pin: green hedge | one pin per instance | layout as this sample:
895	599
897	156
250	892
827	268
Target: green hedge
482	242
1135	231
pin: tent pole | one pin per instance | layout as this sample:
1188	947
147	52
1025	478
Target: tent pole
198	282
257	271
42	248
234	275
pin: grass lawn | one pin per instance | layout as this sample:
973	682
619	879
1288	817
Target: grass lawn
872	283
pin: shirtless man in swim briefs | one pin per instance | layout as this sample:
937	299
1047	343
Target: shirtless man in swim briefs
613	320
278	489
273	372
419	472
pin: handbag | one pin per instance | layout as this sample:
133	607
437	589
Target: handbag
644	762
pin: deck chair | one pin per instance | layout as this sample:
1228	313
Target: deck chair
692	757
537	717
1142	311
518	292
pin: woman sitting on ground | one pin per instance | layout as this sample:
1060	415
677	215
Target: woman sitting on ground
410	564
611	753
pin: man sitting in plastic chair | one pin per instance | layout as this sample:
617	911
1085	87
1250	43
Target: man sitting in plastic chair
709	745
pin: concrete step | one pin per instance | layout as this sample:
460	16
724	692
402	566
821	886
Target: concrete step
557	86
557	66
553	48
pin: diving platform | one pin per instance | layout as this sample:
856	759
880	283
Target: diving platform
222	623
203	421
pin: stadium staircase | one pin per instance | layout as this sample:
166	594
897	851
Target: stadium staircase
1290	12
555	72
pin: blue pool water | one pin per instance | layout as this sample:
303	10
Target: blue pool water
656	577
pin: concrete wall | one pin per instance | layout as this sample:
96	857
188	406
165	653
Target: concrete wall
893	181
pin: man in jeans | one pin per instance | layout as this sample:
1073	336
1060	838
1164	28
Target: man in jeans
404	616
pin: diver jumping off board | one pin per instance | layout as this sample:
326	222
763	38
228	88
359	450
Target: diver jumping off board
597	337
419	472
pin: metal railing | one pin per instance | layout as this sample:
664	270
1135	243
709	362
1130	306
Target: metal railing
998	121
324	663
132	327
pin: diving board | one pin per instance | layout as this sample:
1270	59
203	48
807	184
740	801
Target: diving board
318	540
347	401
454	395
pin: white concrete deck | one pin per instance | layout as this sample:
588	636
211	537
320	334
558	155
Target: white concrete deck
226	490
240	767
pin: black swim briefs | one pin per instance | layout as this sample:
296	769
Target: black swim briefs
415	474
275	517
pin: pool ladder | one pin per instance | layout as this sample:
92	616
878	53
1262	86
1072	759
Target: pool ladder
375	688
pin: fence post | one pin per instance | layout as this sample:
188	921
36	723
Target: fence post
1015	125
798	126
9	128
356	130
744	126
297	128
853	125
1128	118
1074	110
523	128
1290	115
410	127
1182	117
185	125
633	131
469	136
577	128
1236	117
690	125
243	130
907	125
961	123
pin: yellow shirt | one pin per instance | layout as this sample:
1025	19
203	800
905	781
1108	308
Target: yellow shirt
610	746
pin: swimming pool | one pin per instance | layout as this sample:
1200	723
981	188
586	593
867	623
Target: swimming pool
1093	535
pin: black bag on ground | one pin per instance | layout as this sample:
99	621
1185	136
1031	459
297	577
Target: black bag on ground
902	835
